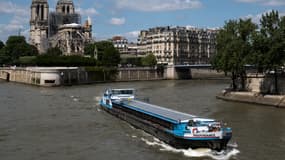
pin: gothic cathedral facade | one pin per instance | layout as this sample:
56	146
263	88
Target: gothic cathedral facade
62	28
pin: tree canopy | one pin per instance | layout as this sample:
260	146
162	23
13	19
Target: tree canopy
272	33
16	46
54	51
149	60
234	47
90	50
241	42
2	45
105	53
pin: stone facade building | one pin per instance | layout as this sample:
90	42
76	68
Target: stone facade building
178	45
124	47
120	43
62	28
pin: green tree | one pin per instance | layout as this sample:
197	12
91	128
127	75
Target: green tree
234	48
16	46
149	60
107	54
31	50
110	57
271	42
3	56
2	45
54	51
258	52
90	50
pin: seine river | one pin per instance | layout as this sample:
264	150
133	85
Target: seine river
66	123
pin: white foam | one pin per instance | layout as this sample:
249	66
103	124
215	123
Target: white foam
97	99
201	152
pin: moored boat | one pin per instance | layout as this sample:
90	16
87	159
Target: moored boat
180	130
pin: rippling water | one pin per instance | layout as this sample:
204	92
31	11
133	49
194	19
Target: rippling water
66	123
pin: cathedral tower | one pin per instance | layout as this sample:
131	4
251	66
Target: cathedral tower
39	25
65	7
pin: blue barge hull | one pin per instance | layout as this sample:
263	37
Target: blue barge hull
165	124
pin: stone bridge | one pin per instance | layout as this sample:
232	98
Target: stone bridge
196	71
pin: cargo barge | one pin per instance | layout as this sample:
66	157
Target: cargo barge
180	130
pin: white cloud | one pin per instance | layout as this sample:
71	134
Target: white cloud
132	36
117	21
158	5
11	8
19	19
265	2
87	12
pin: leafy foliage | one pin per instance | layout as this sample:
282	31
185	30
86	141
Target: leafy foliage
111	57
104	52
2	45
134	61
271	32
90	50
54	60
16	46
241	42
149	60
54	51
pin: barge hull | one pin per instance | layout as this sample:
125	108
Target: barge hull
162	133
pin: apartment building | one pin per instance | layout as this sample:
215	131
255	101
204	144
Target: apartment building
178	45
121	44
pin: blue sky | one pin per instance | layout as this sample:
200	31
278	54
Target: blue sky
128	17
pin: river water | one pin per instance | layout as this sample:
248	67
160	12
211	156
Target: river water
66	123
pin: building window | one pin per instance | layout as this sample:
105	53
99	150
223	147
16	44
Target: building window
38	10
49	81
42	12
63	9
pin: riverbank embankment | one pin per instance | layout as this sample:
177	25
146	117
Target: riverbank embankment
253	98
57	76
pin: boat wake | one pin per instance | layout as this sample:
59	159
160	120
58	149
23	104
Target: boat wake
201	152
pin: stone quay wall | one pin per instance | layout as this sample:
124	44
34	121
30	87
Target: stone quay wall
40	76
20	75
260	89
253	98
56	76
264	83
139	74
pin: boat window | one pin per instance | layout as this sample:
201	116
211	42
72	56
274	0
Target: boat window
191	123
122	92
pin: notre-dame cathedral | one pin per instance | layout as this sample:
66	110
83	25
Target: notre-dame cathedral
62	28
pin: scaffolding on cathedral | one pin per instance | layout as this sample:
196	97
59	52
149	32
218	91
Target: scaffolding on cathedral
58	19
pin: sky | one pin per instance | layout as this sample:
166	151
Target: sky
127	17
